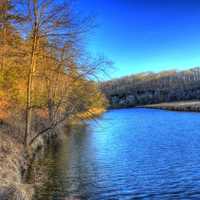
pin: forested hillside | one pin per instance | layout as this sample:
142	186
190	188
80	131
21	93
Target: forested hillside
150	88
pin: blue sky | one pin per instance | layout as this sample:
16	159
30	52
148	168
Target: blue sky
145	35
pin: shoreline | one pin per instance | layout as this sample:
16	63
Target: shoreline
14	163
181	106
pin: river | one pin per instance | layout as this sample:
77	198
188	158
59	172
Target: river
127	154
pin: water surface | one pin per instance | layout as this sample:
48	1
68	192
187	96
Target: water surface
127	154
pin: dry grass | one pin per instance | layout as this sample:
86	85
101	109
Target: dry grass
189	106
91	113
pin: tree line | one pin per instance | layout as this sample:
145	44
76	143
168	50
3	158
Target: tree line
46	76
150	88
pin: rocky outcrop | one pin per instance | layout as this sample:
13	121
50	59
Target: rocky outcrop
12	163
16	192
16	164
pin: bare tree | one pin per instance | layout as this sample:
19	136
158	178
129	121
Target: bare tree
52	21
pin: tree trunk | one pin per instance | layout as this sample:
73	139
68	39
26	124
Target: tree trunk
30	76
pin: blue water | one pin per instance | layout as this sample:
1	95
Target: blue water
128	154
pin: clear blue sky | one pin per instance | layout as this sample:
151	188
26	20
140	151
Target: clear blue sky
145	35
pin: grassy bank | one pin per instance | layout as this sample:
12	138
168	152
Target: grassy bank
187	106
91	113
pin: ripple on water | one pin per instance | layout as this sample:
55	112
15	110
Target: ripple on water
129	154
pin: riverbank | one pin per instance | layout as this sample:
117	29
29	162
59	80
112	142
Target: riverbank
186	106
16	165
13	161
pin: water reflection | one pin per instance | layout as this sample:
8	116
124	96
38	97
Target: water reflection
128	154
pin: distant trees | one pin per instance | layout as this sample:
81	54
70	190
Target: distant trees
149	88
45	73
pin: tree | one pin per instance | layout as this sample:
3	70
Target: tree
53	22
46	67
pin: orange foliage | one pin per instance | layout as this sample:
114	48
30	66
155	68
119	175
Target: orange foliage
42	113
4	107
